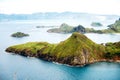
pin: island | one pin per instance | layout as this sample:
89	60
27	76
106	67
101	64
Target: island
65	28
19	35
77	50
96	24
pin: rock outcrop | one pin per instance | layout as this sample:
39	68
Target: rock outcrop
79	29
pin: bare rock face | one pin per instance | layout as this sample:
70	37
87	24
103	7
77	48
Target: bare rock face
83	58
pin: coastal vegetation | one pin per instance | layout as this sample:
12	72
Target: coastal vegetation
19	34
113	50
76	50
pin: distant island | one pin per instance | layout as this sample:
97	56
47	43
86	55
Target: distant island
65	28
19	35
77	50
96	24
53	15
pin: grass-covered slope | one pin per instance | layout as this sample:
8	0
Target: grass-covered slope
80	49
64	28
76	50
113	51
31	48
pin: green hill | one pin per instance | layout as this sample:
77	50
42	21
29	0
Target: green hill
64	28
76	50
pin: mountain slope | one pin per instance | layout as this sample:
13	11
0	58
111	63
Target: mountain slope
80	49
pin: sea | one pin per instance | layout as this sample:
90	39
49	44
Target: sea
16	67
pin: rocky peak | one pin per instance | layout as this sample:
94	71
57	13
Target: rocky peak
79	28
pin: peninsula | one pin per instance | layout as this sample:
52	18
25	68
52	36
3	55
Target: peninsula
77	50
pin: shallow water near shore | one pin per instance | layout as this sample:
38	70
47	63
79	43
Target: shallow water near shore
16	67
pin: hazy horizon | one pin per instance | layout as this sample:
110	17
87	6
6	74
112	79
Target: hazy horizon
109	7
56	12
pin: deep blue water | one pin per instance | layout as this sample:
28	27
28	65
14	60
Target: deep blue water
16	67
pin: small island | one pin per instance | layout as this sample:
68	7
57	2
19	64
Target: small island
19	35
77	50
40	26
96	24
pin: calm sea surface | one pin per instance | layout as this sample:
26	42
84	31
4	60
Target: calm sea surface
16	67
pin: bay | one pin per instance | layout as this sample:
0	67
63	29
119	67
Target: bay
16	67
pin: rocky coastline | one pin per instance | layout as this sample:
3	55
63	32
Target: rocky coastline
64	61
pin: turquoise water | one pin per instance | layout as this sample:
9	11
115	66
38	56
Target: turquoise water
16	67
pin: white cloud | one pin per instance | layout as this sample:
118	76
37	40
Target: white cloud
90	6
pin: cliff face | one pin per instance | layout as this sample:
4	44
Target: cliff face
76	50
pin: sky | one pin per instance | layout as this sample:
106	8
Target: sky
33	6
